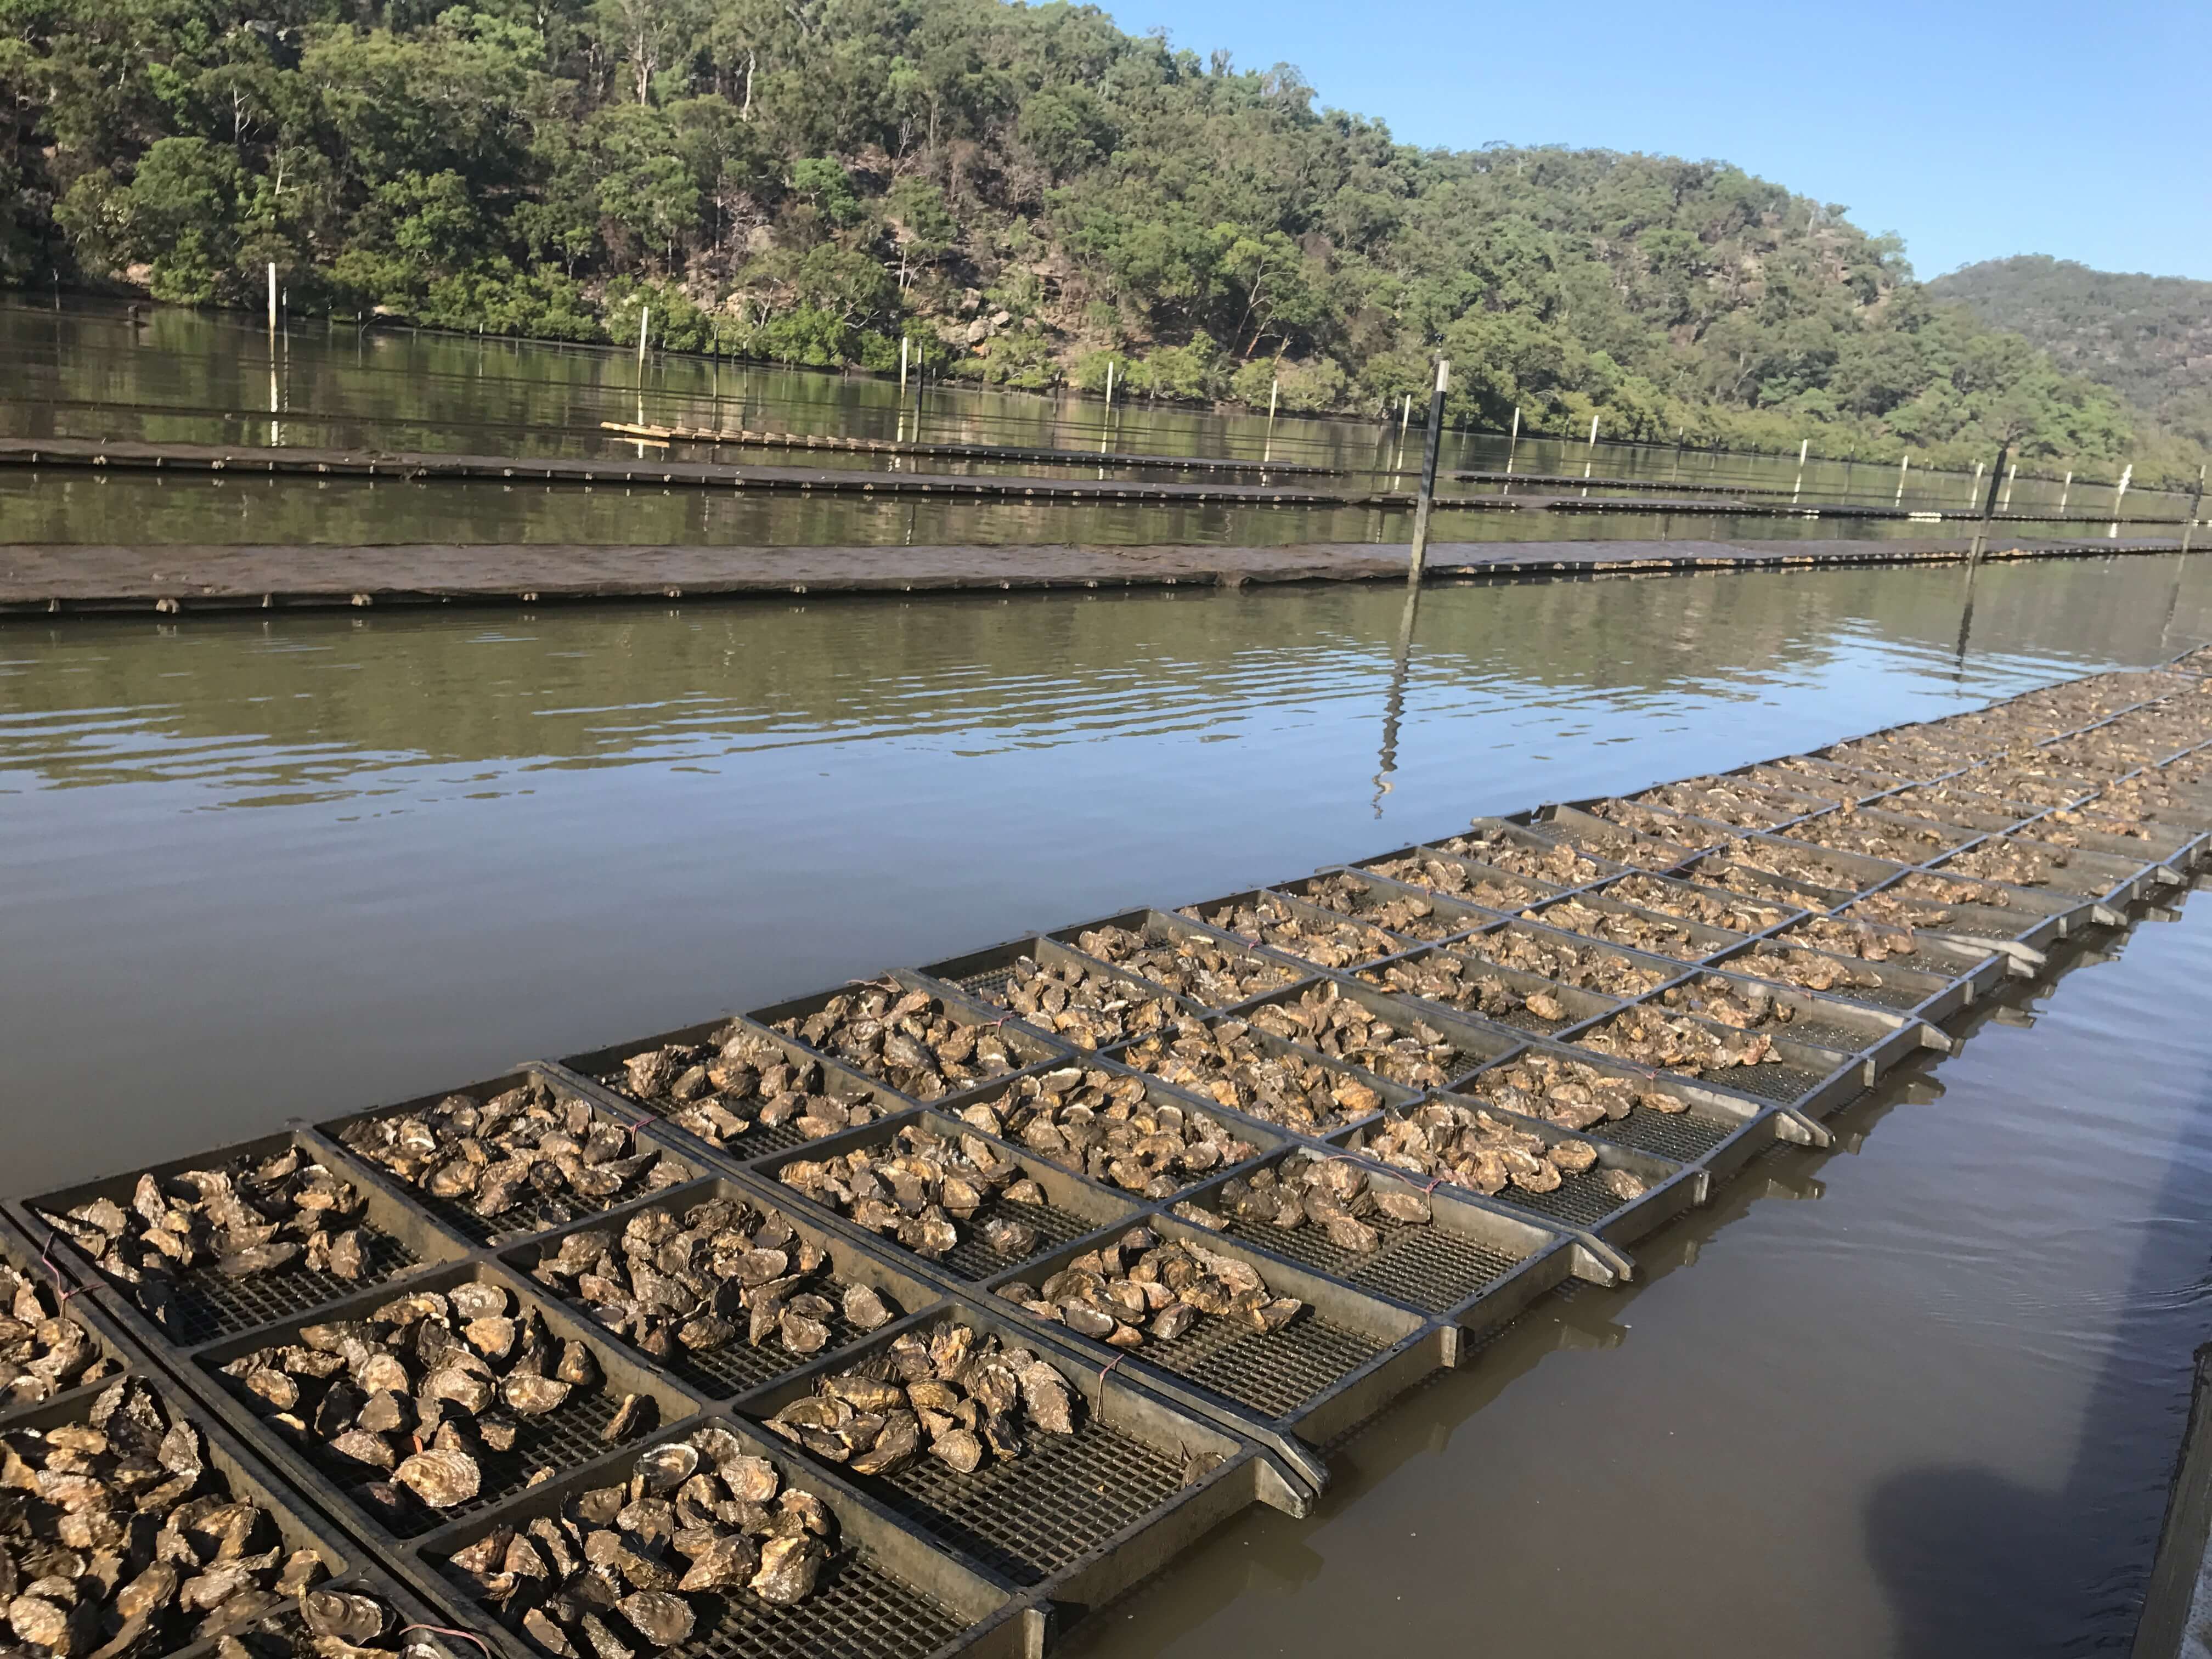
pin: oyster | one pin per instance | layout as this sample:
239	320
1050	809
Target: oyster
1269	920
718	1273
1220	1061
42	1351
525	1159
123	1537
1107	1126
1464	1145
1440	976
256	1214
926	1192
738	1080
1329	1194
1086	1009
909	1038
1469	883
1206	970
1558	864
1322	1018
1140	1288
402	1407
1690	1047
618	1569
957	1395
1653	935
1409	915
1587	967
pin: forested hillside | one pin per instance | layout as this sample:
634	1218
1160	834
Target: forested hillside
1024	191
2149	339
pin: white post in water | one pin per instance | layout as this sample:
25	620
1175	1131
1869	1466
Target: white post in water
644	316
1798	489
2119	493
1903	467
1405	416
2196	503
1110	383
1975	489
2065	489
906	345
2005	505
272	296
1590	455
1275	392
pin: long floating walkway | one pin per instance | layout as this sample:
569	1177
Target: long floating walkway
923	1316
444	467
96	578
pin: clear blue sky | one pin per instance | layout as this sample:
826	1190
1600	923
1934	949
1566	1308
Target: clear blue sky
1973	131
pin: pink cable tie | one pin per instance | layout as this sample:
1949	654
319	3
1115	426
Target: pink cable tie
63	1290
442	1630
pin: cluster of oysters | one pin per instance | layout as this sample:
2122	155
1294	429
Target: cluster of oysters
1267	920
118	1536
1221	1062
526	1152
1111	1127
955	1395
1206	970
908	1037
1466	1145
619	1568
926	1191
736	1081
43	1351
1142	1288
410	1401
719	1272
250	1216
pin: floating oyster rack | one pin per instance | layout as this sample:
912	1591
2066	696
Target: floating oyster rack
1176	1437
244	1472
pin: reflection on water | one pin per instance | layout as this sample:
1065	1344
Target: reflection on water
294	866
86	371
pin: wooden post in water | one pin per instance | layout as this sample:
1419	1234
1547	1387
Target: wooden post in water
1975	488
1590	458
1419	559
2006	504
644	316
1989	506
1798	489
2065	489
2196	501
1903	467
906	346
1405	416
2119	495
272	296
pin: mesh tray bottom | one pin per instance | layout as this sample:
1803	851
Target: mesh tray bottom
208	1304
1684	1137
755	1141
1423	1267
1065	1496
1581	1200
737	1367
1273	1373
857	1609
971	1258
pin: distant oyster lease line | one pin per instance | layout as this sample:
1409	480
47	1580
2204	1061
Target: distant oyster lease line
61	578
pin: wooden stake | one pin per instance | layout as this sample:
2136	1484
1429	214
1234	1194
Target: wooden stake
644	316
1903	467
906	345
272	296
1427	499
2196	501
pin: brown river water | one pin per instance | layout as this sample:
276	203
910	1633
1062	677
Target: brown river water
1915	1395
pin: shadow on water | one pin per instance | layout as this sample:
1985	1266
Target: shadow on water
1977	1563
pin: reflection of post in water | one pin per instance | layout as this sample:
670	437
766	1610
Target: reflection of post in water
2174	596
1965	619
1394	706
